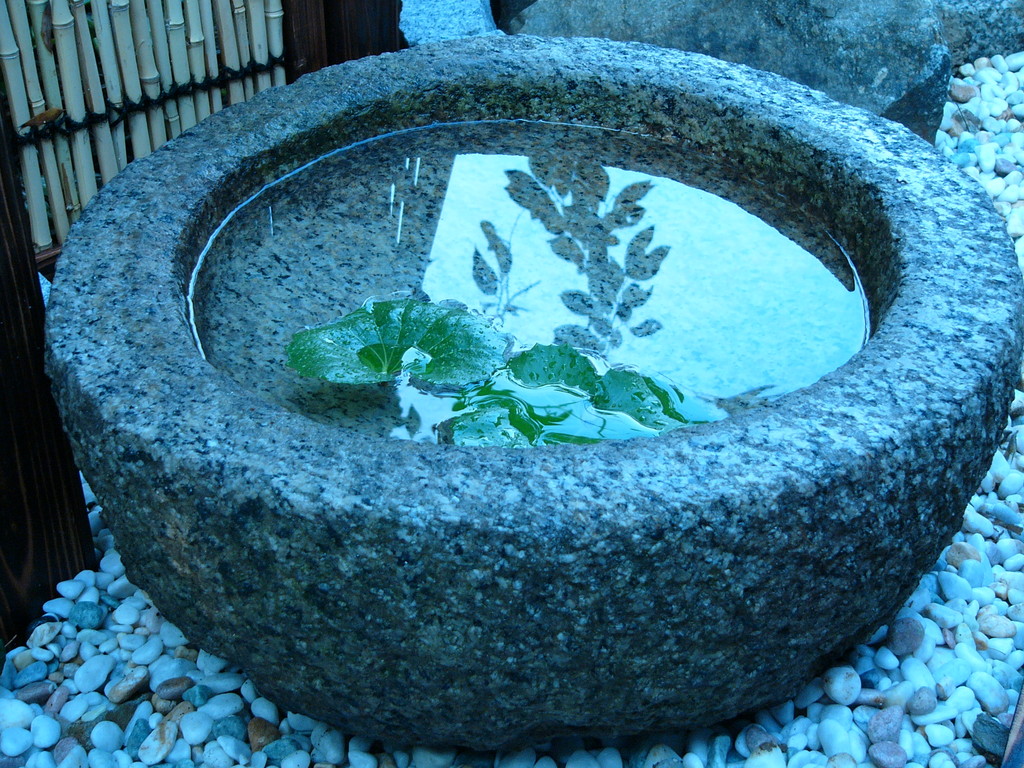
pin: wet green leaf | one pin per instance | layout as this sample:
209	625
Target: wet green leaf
554	364
489	427
440	345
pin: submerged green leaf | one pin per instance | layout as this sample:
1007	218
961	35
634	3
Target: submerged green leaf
554	364
440	345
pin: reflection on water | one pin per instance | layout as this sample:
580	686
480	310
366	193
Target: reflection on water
645	270
616	243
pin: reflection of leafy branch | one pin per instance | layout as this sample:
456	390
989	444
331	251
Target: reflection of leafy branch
495	283
567	197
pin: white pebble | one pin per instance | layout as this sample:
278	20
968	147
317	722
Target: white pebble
236	749
59	606
357	759
939	735
15	714
195	727
990	694
609	757
149	652
231	681
298	722
94	673
766	756
222	705
842	685
121	588
126	614
15	741
209	663
171	636
266	709
214	756
45	731
426	757
833	737
111	563
329	746
107	735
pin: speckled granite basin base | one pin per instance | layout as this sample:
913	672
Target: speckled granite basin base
438	594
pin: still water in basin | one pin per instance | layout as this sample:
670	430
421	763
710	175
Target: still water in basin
624	245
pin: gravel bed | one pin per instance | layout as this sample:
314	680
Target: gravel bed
105	682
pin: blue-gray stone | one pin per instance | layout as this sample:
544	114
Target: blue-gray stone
136	736
184	764
232	725
33	673
110	602
87	615
276	751
11	762
7	675
197	695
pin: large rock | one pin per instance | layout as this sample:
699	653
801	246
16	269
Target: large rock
973	28
887	57
488	597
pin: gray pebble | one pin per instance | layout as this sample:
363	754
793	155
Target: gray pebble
135	737
33	673
12	762
923	701
905	635
37	693
87	615
197	695
173	688
887	754
280	749
63	747
755	736
885	725
989	735
7	674
232	725
976	761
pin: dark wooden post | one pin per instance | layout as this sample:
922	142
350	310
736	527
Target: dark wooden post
357	28
305	40
44	529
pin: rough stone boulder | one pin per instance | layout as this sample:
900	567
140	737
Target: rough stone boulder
887	57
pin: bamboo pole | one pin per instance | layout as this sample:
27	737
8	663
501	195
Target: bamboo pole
71	84
210	47
138	122
179	61
111	75
148	74
229	48
196	62
275	37
43	39
101	135
10	60
37	105
242	34
158	32
258	41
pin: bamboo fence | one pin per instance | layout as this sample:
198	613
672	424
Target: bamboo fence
94	84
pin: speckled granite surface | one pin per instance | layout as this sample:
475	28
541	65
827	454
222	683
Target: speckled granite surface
485	597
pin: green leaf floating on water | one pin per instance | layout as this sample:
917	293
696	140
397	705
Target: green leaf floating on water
554	394
437	344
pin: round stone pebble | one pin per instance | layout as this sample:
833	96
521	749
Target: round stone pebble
15	741
887	754
36	693
45	731
905	635
195	727
15	714
107	735
885	725
94	673
922	702
261	733
841	684
173	688
87	615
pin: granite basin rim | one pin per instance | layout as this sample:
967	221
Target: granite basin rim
197	469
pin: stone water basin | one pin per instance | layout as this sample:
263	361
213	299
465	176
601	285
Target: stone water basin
489	597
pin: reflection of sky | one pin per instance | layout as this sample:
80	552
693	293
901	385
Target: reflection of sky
742	306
